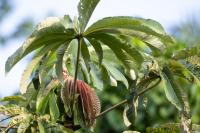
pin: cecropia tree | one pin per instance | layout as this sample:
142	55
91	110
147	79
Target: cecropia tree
71	62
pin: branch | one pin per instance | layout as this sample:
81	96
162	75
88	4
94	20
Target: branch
111	108
125	101
77	60
76	71
8	118
9	127
149	88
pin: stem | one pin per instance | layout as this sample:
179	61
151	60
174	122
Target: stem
125	101
10	127
76	71
111	108
7	118
7	127
77	61
149	88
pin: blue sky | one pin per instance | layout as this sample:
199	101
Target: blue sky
167	12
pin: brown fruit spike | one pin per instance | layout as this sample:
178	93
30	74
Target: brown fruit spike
90	102
87	99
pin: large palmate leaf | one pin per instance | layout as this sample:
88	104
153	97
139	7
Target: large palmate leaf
49	32
85	10
172	89
128	25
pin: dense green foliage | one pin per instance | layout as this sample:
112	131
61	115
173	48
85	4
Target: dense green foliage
122	58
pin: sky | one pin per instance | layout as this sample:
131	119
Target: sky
166	12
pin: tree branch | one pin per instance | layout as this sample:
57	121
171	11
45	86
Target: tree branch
8	118
10	127
111	108
149	88
125	101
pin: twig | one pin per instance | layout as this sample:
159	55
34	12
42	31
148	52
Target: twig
7	118
10	127
76	72
111	108
149	88
7	127
125	101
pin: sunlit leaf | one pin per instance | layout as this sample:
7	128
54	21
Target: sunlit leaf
24	125
48	32
85	10
117	46
125	25
16	98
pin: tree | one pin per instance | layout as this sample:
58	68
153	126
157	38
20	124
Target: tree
132	53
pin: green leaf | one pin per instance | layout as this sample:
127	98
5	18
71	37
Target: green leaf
32	65
116	73
185	53
128	26
17	98
85	54
185	72
67	22
41	104
105	76
85	10
59	63
24	125
41	126
97	47
96	78
85	70
12	109
121	50
43	95
53	107
194	60
48	32
171	88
